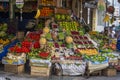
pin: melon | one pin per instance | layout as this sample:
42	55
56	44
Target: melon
46	30
42	41
69	39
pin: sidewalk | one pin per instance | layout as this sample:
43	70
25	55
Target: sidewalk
25	76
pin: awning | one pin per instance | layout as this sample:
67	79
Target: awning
119	1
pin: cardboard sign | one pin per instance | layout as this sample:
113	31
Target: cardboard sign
62	11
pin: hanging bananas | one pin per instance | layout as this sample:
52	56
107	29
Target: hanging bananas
106	18
112	20
37	14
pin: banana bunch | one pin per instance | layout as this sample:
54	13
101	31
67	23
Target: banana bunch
4	42
37	14
114	42
106	18
112	20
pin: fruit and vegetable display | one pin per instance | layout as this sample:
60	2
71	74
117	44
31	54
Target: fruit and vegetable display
40	25
1	48
3	29
17	53
39	54
15	59
64	54
59	17
38	13
69	25
103	41
65	42
106	18
4	41
4	38
46	12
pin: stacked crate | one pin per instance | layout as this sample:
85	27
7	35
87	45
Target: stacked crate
109	72
40	71
40	67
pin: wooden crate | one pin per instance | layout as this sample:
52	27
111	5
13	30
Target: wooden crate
40	71
109	72
95	73
14	68
20	35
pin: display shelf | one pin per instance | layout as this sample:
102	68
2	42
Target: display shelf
46	11
6	49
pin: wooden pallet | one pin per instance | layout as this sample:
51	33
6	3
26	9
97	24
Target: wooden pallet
40	71
14	68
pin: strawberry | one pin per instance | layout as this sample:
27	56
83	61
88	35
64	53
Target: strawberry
44	54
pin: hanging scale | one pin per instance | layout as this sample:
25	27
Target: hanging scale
19	5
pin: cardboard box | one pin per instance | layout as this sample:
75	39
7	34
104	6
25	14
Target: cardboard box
109	72
13	62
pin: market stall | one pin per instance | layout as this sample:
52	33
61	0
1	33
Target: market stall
59	45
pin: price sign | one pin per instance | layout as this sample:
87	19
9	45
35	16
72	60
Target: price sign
19	3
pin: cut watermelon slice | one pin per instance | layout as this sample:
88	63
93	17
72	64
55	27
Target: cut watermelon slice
56	45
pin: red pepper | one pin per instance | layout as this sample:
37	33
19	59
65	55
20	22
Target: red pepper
18	50
25	49
14	48
34	36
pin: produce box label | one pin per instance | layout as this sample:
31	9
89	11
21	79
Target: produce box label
14	62
40	62
96	62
